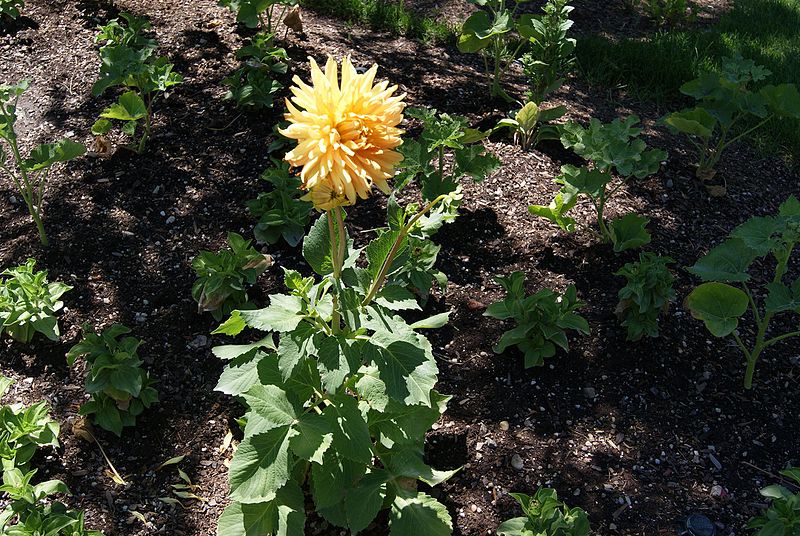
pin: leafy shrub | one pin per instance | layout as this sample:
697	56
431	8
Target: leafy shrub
425	157
10	9
498	35
782	518
257	13
529	125
725	100
28	303
610	148
720	304
551	51
32	173
119	388
545	515
280	212
541	319
128	61
23	430
221	277
667	12
646	294
253	85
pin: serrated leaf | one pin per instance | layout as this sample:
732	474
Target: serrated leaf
314	437
261	466
726	262
719	306
629	232
416	514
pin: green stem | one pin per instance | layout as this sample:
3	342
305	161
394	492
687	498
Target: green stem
337	266
147	125
28	194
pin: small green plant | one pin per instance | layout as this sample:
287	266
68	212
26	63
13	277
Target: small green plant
128	61
425	158
281	212
721	305
530	124
728	109
782	518
671	13
258	13
28	303
29	515
31	174
23	430
120	390
551	52
222	278
610	148
10	9
545	515
646	294
541	319
253	85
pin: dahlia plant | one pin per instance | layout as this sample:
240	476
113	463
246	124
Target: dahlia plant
341	404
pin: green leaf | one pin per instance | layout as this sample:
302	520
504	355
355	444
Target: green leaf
283	314
46	155
317	246
351	438
234	325
629	232
269	408
261	466
757	233
314	437
396	298
719	306
695	122
726	262
782	298
556	211
407	369
433	322
129	107
364	501
284	516
513	527
231	351
416	514
101	126
244	372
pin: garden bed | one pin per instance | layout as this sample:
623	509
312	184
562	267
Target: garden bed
638	434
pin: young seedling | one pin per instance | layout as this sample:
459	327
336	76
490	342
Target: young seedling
545	515
281	212
782	518
530	124
725	296
259	13
10	10
646	295
31	174
253	85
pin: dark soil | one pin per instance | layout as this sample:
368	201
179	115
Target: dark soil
668	421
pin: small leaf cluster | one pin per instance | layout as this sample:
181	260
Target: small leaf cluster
545	515
342	402
128	61
281	212
120	390
31	174
443	135
541	319
668	12
223	277
23	430
257	13
10	9
530	124
646	294
726	100
253	85
551	54
28	303
725	296
613	149
782	518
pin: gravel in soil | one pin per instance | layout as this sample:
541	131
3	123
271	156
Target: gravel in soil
638	434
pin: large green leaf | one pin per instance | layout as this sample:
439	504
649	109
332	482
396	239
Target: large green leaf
129	107
513	527
696	122
719	306
726	262
284	516
629	232
317	246
414	514
405	367
758	233
283	314
270	408
314	436
261	466
351	437
365	499
48	154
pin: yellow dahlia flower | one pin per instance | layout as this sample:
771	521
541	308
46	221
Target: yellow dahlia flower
346	133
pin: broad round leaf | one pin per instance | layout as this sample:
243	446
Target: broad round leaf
719	306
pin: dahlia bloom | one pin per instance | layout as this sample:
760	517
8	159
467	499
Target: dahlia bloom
346	133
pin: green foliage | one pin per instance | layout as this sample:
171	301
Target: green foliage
281	212
425	158
551	52
725	296
31	174
128	61
529	125
541	319
120	390
28	303
23	430
613	148
545	515
646	294
222	278
257	13
10	9
726	99
252	85
668	12
782	518
344	400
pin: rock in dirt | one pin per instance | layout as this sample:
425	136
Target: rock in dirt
516	462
